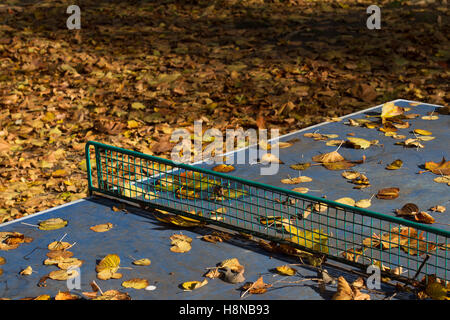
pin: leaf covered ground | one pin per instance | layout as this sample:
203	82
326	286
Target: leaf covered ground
139	69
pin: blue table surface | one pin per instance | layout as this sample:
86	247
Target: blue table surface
137	235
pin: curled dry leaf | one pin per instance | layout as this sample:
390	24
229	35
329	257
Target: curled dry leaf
113	295
211	238
347	292
142	262
441	168
68	263
396	164
351	175
409	209
257	287
27	271
213	273
232	263
192	285
59	254
2	261
286	270
102	227
424	217
388	193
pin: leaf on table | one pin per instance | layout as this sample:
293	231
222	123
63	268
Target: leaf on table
68	263
296	180
408	210
411	143
52	224
390	110
363	203
424	217
113	295
441	168
443	179
192	285
66	296
300	166
286	270
63	274
257	287
359	143
353	254
102	227
301	190
211	238
350	175
12	240
388	193
224	168
232	263
435	209
346	200
27	271
270	158
136	283
58	245
142	262
423	132
330	157
213	273
108	266
180	243
395	165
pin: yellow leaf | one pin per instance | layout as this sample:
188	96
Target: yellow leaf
132	124
108	266
136	283
423	132
346	200
359	143
286	270
142	262
192	285
27	271
102	227
52	224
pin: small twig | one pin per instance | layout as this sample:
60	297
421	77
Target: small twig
31	225
421	266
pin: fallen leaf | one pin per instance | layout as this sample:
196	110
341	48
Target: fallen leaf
66	296
409	209
363	203
328	157
285	270
108	266
63	274
423	132
388	193
225	168
142	262
192	285
102	227
257	287
27	271
396	164
435	209
52	224
359	143
58	245
296	180
346	200
270	158
232	263
441	168
424	217
136	283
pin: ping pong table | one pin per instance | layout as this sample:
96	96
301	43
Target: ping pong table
137	234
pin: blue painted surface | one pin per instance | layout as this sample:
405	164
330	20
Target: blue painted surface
136	236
